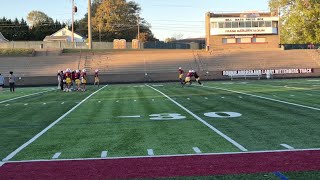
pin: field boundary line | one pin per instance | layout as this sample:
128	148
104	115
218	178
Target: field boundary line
11	155
26	96
262	97
203	121
164	156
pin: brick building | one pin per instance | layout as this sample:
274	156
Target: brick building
242	30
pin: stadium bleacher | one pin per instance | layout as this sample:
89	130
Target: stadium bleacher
161	61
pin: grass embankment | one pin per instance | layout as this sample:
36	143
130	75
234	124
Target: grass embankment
16	52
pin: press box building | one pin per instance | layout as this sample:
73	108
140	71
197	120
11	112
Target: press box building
242	30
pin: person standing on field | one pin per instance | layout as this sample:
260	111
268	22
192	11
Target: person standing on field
59	79
96	78
181	75
11	81
1	82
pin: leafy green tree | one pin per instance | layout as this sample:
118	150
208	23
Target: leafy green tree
117	19
300	20
37	18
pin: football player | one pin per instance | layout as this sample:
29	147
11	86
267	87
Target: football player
83	79
77	81
96	78
195	74
188	78
181	75
68	80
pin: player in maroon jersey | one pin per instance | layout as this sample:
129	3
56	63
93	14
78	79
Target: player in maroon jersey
77	79
83	79
181	75
68	80
195	74
188	78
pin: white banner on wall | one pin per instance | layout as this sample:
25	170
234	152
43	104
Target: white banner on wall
267	71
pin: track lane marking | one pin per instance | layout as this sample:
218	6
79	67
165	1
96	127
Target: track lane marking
201	120
25	96
262	97
11	155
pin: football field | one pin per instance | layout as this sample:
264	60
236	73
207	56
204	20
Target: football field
130	121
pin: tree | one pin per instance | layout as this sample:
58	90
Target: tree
117	19
300	20
37	18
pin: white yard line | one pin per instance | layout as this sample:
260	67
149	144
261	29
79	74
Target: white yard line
25	96
150	152
197	150
164	156
262	97
136	116
11	155
56	155
203	121
287	146
104	154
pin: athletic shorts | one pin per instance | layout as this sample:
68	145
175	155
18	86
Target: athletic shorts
78	82
84	81
68	80
187	79
96	80
180	76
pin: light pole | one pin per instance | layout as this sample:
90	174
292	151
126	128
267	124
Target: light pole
89	26
72	25
138	36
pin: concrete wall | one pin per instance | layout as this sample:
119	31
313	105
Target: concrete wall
142	78
272	41
57	45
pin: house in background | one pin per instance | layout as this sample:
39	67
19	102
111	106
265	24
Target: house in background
64	35
2	38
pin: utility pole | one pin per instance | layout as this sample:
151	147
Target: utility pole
72	26
99	32
89	26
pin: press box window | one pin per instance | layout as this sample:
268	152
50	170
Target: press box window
235	24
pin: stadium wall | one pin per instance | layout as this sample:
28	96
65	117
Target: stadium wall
149	78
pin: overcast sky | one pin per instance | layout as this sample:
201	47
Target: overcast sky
167	17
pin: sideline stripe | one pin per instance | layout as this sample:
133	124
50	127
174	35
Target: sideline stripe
11	155
26	96
150	152
1	163
287	146
104	154
162	156
197	150
280	175
203	121
262	97
56	155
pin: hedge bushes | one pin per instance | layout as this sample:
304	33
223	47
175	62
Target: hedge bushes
16	52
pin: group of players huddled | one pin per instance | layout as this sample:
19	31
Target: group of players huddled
190	74
75	80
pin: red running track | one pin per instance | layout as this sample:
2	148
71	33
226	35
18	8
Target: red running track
156	167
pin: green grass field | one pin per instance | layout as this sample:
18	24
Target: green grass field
130	119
